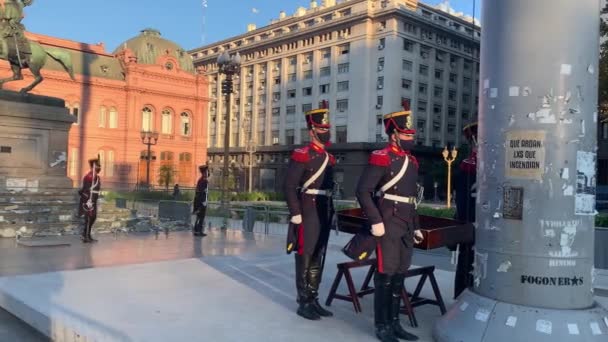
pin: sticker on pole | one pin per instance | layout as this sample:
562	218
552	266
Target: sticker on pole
584	201
525	156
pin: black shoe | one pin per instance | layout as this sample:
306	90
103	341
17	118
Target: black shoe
203	234
91	239
321	310
385	334
308	311
85	239
400	333
197	234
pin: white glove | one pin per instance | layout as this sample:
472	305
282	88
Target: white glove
205	204
378	229
296	219
418	237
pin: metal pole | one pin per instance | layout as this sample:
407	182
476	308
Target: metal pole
449	184
250	172
534	259
226	149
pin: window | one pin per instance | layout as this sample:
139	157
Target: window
437	109
324	88
381	43
74	162
407	65
466	82
342	105
466	98
290	110
409	28
438	92
277	80
341	134
406	84
166	122
106	159
438	74
440	56
113	118
379	101
276	96
422	88
451	128
451	112
186	125
425	52
321	104
307	74
307	91
250	85
103	111
343	68
326	53
276	111
275	137
380	63
436	126
76	112
424	70
408	45
343	86
293	61
465	114
289	137
325	71
304	136
453	78
291	94
147	123
422	107
380	82
344	49
421	125
291	77
379	120
306	107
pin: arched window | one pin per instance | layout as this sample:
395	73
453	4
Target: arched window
185	168
167	122
103	113
147	120
106	159
166	158
113	118
186	125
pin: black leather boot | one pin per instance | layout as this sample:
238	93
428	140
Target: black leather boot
382	307
314	279
396	288
306	307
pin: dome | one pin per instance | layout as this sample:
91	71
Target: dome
149	45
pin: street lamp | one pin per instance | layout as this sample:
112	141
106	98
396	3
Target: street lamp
449	157
229	66
251	151
148	138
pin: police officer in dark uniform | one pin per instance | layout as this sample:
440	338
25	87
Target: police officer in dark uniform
387	193
308	190
89	194
465	182
199	206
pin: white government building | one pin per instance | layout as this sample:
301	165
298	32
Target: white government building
362	56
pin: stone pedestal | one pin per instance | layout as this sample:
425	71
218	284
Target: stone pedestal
33	143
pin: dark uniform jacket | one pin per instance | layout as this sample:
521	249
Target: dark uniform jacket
304	163
465	179
85	192
200	198
383	166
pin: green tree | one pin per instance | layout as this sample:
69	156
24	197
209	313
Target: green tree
166	176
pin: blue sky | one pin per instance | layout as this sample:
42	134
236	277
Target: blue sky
114	21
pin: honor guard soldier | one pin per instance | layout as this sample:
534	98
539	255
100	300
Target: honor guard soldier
466	178
89	194
387	192
200	201
308	190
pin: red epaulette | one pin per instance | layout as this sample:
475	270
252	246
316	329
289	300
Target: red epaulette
380	158
301	155
332	159
414	160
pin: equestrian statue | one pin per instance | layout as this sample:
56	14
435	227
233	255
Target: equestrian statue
22	53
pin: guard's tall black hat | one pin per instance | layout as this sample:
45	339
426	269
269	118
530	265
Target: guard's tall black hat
318	118
400	121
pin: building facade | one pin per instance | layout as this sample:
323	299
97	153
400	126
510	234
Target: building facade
147	84
365	57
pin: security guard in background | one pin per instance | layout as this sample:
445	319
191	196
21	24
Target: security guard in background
387	193
308	190
199	204
465	182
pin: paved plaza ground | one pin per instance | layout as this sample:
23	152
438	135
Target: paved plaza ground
228	286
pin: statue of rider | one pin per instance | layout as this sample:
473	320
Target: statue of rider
14	43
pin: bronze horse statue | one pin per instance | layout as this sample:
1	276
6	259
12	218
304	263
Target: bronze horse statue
35	62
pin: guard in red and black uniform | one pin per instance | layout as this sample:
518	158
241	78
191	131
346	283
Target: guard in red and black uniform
308	190
387	193
89	194
465	181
